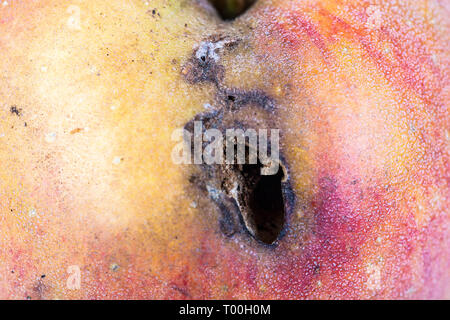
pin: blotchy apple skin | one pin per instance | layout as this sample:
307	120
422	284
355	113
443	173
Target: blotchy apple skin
86	177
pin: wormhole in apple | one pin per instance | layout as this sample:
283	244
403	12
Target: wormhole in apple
260	198
261	202
231	9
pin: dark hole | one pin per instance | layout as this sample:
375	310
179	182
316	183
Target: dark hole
263	201
203	58
231	98
231	9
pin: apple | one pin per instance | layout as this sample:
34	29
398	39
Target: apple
92	205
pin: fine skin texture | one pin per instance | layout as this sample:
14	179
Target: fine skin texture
91	91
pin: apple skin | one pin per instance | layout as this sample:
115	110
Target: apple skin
361	91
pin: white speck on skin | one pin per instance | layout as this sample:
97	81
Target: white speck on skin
208	49
375	17
44	69
410	291
436	201
2	135
234	190
50	137
117	160
32	212
93	69
374	276
278	90
213	192
5	3
194	204
207	106
434	58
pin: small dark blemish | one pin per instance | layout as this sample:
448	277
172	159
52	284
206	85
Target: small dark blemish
316	269
154	12
40	289
183	291
114	267
228	222
236	98
16	111
203	70
192	179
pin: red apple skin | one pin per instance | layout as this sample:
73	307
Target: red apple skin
369	76
362	93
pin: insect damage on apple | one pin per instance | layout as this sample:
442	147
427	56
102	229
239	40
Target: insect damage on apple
247	200
204	65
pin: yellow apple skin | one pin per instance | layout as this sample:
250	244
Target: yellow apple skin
91	92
